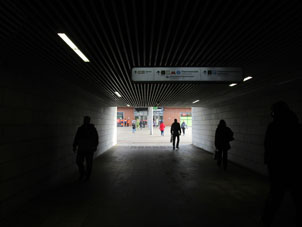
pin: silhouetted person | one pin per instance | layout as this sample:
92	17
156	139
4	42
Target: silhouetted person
141	125
282	156
175	132
85	143
183	127
223	136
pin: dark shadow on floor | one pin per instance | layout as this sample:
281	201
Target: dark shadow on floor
153	186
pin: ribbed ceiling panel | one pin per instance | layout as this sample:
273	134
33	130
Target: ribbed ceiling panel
118	35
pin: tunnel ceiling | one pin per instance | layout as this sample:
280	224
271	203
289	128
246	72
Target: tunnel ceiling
118	35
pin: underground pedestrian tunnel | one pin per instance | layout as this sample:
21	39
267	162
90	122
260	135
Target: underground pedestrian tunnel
46	87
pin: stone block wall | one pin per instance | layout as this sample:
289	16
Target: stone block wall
248	116
171	113
39	115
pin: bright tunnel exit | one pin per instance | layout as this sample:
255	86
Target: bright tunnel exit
143	126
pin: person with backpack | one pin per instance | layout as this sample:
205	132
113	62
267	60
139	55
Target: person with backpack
183	127
223	136
282	155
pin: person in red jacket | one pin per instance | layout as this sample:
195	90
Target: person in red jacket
162	128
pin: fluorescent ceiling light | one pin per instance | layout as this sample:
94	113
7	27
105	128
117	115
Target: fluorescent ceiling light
118	94
232	85
247	78
128	105
73	46
195	101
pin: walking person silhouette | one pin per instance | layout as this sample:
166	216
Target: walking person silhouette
85	144
282	157
223	136
175	132
183	127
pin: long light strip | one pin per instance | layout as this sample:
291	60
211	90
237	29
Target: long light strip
247	78
195	101
117	94
73	46
232	85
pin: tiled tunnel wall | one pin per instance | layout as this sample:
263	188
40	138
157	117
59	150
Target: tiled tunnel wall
248	116
39	117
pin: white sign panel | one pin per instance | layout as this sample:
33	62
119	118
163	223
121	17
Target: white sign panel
206	74
176	74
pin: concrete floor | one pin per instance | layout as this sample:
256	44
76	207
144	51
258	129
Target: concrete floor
142	137
152	186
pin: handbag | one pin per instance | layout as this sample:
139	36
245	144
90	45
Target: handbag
171	139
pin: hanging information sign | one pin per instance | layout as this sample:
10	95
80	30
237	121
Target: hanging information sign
187	74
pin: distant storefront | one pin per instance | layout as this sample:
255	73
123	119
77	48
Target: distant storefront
172	113
141	114
158	115
125	115
186	117
165	114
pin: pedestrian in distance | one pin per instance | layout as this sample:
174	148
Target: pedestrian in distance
162	128
223	136
133	126
175	132
85	144
183	127
141	125
282	155
137	123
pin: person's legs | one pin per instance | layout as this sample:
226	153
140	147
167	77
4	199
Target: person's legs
177	144
275	197
89	160
80	163
225	159
219	157
173	141
296	196
273	203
